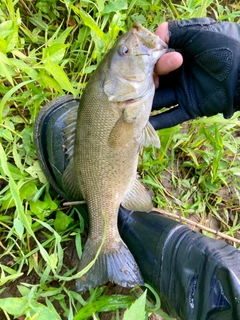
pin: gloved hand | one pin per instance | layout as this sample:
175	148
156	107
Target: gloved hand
208	81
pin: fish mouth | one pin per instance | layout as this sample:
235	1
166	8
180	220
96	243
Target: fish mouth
128	101
154	46
146	37
142	54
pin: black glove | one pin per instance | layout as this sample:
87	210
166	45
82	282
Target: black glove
208	82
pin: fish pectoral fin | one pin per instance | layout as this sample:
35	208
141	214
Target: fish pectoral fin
138	198
70	182
149	136
119	136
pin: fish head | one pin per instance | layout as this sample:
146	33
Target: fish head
143	42
131	64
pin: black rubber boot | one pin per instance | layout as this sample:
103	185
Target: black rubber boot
197	278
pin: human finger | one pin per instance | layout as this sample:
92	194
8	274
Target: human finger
162	32
168	62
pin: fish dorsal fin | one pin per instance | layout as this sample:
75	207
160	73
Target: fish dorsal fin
149	136
138	198
70	181
69	131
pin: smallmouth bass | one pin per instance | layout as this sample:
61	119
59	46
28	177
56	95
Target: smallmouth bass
111	127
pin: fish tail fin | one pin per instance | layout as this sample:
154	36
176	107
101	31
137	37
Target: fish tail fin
117	266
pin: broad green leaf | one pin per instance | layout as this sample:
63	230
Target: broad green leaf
115	27
235	171
28	191
35	171
59	75
24	291
52	205
232	147
4	59
44	313
11	9
55	52
15	172
12	39
9	94
47	81
3	45
14	306
31	34
137	309
193	155
9	270
38	23
5	133
17	158
116	5
62	37
21	306
138	18
6	28
100	4
104	303
10	278
53	261
38	208
89	21
7	201
18	226
39	192
62	221
5	71
20	55
89	69
23	66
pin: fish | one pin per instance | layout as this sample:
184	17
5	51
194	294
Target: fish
111	128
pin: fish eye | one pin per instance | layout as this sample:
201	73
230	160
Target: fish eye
123	51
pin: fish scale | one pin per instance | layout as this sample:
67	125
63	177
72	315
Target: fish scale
111	127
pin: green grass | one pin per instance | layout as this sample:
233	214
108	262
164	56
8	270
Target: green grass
48	49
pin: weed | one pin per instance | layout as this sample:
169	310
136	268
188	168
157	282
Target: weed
48	49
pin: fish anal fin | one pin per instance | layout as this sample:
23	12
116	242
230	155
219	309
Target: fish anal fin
117	266
138	198
149	136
